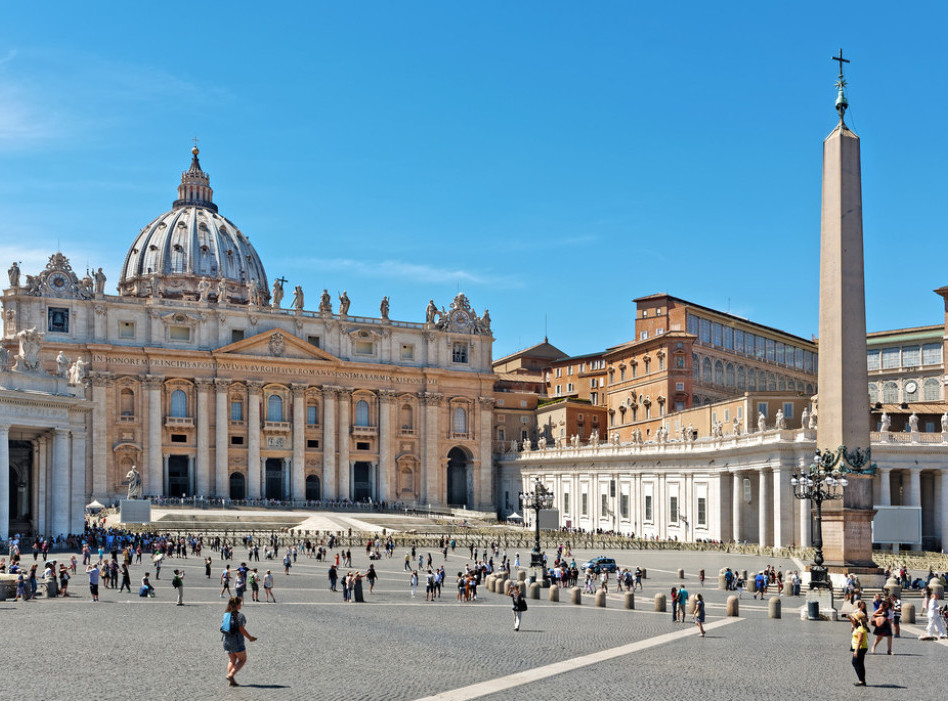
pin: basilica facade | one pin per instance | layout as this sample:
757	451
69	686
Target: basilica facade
196	375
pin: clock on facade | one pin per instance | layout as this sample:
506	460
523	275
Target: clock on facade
911	387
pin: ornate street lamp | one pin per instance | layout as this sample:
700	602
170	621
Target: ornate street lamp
819	484
540	498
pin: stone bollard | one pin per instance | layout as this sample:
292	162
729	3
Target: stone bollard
554	593
908	613
787	587
681	574
937	587
692	603
773	607
644	573
601	599
722	580
507	586
630	599
660	603
744	577
576	595
893	587
733	608
534	590
522	576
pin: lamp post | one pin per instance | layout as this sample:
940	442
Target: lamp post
818	485
540	498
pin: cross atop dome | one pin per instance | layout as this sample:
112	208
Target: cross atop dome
195	188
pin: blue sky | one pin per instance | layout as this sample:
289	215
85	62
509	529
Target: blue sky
551	160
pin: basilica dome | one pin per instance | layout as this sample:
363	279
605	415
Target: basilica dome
193	252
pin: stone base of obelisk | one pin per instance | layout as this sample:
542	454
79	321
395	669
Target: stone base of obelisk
847	547
819	606
135	511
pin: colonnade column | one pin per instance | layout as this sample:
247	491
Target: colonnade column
221	425
345	407
737	491
777	510
885	486
254	389
100	386
942	476
915	495
4	482
762	503
386	465
483	481
806	537
298	466
153	477
79	486
203	461
431	441
61	482
329	443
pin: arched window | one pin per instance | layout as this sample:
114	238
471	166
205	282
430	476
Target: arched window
752	380
771	382
406	417
695	367
931	390
809	388
729	375
873	392
741	378
791	385
127	402
706	370
910	396
890	393
362	413
179	404
275	408
719	373
312	415
781	383
460	420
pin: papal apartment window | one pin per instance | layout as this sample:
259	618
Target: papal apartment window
643	335
569	387
569	370
57	320
679	386
459	353
126	329
559	372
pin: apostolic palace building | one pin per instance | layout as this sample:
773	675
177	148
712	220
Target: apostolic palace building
196	374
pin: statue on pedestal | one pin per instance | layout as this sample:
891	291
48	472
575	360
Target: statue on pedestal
761	422
944	422
344	304
886	423
14	273
781	421
325	302
804	417
298	298
383	308
736	427
430	311
203	287
62	364
221	291
134	483
77	372
99	282
277	292
28	358
913	423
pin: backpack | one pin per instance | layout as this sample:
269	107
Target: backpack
229	625
176	581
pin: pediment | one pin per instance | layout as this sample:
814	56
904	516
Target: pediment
276	343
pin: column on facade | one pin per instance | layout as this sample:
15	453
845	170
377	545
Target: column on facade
737	492
202	485
153	483
79	486
42	484
885	486
779	500
344	468
806	537
221	424
100	387
329	443
60	482
763	507
483	481
4	482
915	494
386	469
165	459
254	389
298	465
431	441
942	478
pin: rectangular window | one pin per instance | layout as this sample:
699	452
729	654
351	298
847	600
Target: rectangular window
605	505
408	351
363	445
771	351
679	386
459	353
312	443
872	360
738	340
781	353
180	333
236	440
890	358
624	505
679	406
57	320
661	363
798	358
311	415
762	408
559	372
705	335
566	502
760	344
691	324
585	504
236	335
559	389
911	356
788	410
643	335
313	340
648	507
807	361
728	338
569	371
126	329
594	397
364	347
569	387
702	511
236	411
931	354
673	509
179	438
717	333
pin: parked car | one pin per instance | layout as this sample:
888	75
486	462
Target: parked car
600	564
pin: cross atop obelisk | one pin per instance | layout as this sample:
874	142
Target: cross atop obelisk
841	103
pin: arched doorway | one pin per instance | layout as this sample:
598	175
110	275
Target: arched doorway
273	479
312	488
361	481
459	466
179	477
238	486
21	486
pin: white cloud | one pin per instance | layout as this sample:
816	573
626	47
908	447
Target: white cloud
415	272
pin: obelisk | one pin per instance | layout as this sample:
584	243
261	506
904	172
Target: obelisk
843	412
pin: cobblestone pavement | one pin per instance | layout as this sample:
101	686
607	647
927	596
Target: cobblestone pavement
314	646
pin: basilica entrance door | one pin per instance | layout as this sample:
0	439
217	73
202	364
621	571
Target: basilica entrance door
361	481
238	487
457	477
274	479
21	486
312	488
179	477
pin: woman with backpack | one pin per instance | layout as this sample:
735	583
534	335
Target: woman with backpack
234	637
519	605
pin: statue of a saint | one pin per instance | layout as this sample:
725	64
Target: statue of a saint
344	304
484	325
86	286
781	421
430	312
221	290
14	273
277	292
203	288
383	308
886	423
325	302
28	357
913	423
804	417
298	298
62	364
736	427
77	372
99	282
253	293
761	422
134	483
944	422
813	420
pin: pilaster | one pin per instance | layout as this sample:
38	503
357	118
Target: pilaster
254	389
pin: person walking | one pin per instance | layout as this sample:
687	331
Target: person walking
859	646
936	622
519	606
177	582
94	576
126	580
371	575
699	613
413	582
682	603
287	563
234	642
207	566
882	620
674	604
268	587
225	581
254	585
